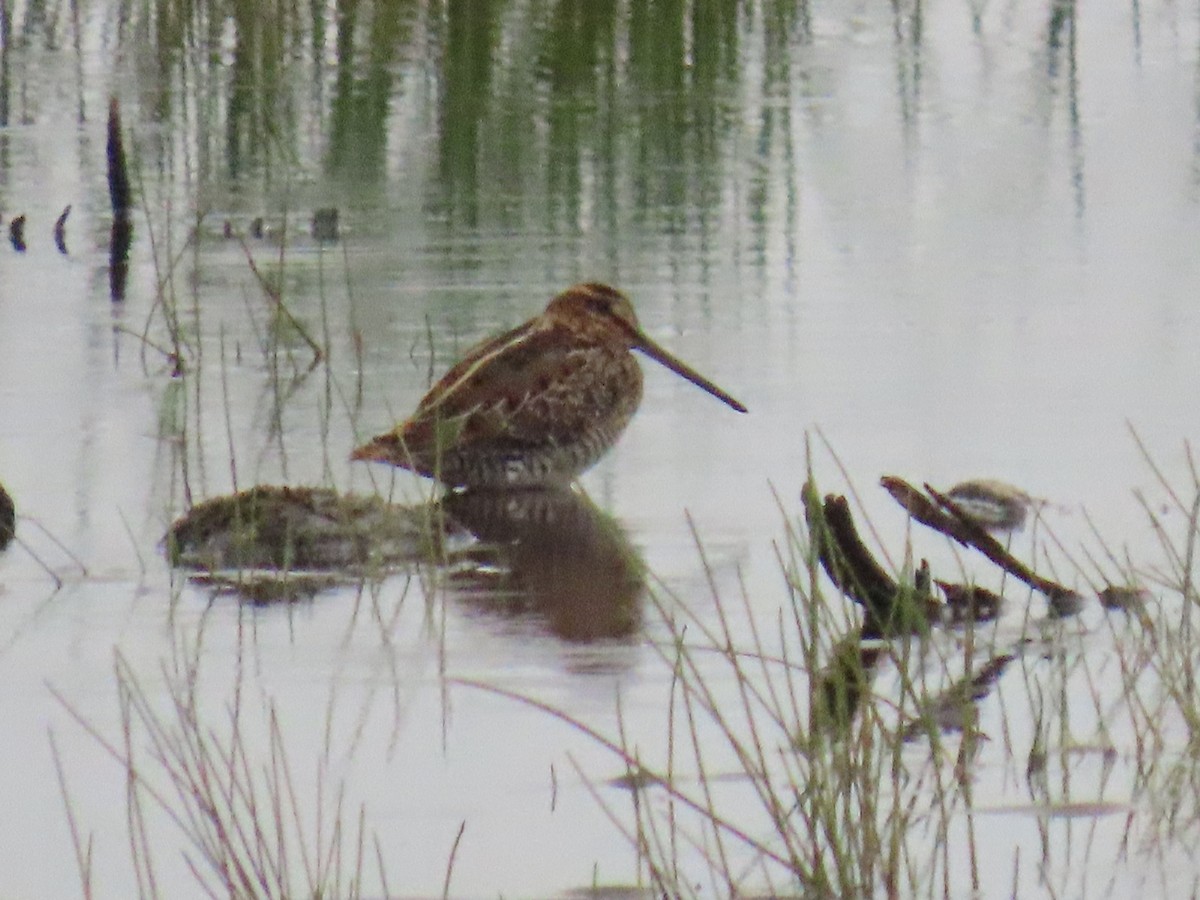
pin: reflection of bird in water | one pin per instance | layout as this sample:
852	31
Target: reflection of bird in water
550	553
536	405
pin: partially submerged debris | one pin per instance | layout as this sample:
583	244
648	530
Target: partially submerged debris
1124	597
120	239
891	608
298	529
941	513
995	505
895	608
970	602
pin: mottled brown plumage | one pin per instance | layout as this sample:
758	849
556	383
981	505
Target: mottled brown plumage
536	405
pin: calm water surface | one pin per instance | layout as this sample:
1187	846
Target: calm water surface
953	240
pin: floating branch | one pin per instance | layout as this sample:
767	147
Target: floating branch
60	230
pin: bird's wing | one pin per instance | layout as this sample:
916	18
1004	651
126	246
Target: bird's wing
531	385
456	390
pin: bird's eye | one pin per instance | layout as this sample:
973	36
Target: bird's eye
598	305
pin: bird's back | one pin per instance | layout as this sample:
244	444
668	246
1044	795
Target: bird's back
535	405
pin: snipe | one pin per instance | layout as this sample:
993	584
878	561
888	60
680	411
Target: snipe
536	405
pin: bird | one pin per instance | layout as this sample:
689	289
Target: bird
537	405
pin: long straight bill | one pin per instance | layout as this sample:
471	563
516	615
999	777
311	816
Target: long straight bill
659	355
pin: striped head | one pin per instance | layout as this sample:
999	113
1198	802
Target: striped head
596	312
603	314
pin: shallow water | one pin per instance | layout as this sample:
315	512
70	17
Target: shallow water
951	241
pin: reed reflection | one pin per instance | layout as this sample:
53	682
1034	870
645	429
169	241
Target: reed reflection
471	29
846	684
1061	47
257	89
365	84
551	554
